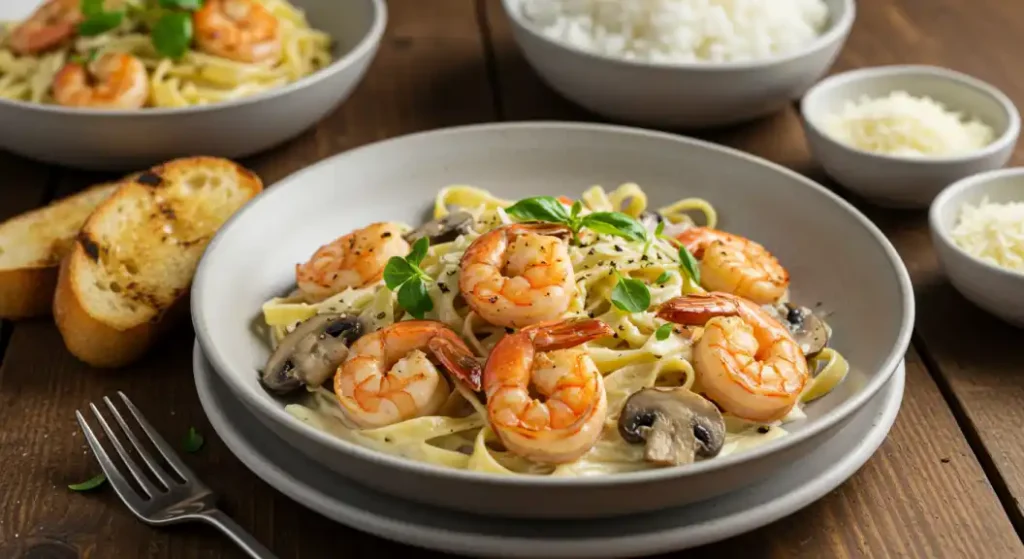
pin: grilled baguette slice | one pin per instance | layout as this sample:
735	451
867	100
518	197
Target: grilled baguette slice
32	246
126	280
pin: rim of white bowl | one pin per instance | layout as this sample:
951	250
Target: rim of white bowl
268	406
836	31
835	81
945	198
368	42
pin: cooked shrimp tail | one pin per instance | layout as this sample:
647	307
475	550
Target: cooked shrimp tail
555	335
114	81
458	361
242	30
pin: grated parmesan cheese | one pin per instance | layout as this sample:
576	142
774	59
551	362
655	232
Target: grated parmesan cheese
992	232
903	125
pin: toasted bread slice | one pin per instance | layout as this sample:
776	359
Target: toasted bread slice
127	276
32	246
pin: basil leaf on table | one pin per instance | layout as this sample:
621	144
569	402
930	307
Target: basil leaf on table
631	295
88	484
539	208
193	441
172	34
615	223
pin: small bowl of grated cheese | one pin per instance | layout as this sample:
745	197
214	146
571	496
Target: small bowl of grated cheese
898	135
977	227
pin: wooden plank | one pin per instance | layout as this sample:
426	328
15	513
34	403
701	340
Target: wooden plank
826	526
429	73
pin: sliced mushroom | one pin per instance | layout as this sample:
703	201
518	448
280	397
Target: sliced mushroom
677	425
443	230
311	353
808	329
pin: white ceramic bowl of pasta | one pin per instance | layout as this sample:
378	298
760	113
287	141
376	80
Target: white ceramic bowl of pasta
801	222
119	140
680	95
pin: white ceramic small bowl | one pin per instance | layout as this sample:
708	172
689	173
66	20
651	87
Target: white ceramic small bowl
117	140
679	95
871	315
904	182
995	289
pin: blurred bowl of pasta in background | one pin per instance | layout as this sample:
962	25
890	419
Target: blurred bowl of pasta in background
73	93
240	298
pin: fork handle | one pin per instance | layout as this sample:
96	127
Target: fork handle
244	539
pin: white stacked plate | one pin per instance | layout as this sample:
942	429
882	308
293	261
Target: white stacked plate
835	257
324	491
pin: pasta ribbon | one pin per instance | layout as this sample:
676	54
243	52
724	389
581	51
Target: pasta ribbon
466	197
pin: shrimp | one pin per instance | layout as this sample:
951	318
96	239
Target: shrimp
540	281
240	30
736	265
114	81
353	260
568	422
389	377
746	361
52	25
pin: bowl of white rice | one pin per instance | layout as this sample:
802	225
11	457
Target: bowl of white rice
681	64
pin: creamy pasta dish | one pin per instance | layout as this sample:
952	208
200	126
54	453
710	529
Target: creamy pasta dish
133	54
548	336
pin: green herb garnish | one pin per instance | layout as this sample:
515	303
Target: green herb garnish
182	4
664	277
689	264
404	276
193	441
630	295
99	23
172	34
89	484
663	331
548	208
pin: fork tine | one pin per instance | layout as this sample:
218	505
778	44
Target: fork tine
161	445
147	486
146	456
120	484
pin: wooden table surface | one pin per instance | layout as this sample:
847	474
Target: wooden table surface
948	482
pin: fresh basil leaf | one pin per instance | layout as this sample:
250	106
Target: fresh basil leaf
193	441
631	295
89	484
689	264
665	276
413	297
539	208
397	271
182	4
659	229
577	207
661	334
615	223
100	23
419	251
172	34
91	8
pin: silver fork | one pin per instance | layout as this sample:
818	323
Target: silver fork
174	502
